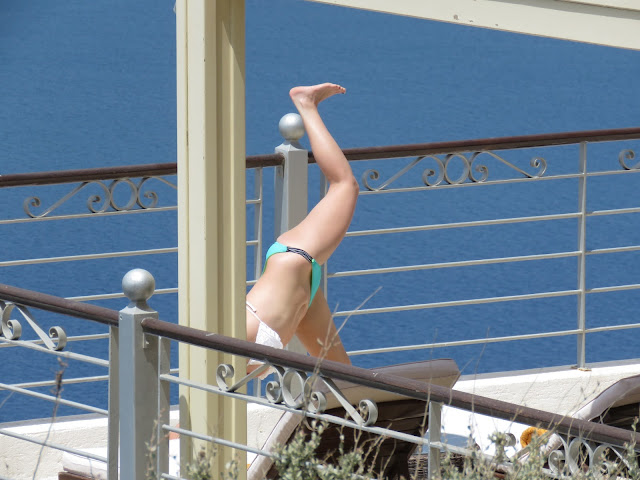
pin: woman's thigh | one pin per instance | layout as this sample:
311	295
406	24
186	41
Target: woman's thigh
323	229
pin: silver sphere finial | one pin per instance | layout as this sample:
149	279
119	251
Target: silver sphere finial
138	285
291	127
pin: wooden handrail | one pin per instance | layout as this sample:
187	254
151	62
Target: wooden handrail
55	304
403	386
391	383
365	153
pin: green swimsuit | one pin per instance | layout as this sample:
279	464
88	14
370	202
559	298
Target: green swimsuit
316	269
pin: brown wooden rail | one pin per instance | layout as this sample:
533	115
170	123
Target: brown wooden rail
410	388
501	143
366	153
51	303
360	376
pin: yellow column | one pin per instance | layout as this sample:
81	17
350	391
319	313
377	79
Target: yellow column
210	42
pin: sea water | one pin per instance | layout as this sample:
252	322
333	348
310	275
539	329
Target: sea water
92	84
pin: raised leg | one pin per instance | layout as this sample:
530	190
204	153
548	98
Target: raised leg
318	333
323	229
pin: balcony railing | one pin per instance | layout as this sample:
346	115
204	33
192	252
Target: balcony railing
112	216
497	229
142	381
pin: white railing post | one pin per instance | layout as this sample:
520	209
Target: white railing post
582	246
164	406
291	178
113	433
138	360
435	425
291	185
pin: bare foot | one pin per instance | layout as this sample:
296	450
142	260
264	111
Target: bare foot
305	97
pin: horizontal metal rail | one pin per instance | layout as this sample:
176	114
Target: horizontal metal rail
485	300
97	256
77	338
59	353
72	381
53	399
319	416
76	216
457	303
475	223
486	340
410	388
219	441
461	263
66	381
92	256
57	446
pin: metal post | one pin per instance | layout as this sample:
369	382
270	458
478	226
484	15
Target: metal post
291	186
435	425
164	406
582	246
291	178
114	410
138	357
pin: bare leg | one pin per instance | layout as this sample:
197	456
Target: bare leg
323	229
318	333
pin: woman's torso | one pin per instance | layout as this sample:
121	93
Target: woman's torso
281	294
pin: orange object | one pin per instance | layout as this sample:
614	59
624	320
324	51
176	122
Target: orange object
525	438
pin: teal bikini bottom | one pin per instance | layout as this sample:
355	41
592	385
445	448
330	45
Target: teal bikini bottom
316	269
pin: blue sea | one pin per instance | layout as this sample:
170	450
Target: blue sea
92	84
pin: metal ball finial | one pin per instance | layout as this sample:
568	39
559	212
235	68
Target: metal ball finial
138	285
291	127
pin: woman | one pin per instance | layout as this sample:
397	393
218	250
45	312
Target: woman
286	300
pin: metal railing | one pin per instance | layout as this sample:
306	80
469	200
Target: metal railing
453	169
462	166
140	376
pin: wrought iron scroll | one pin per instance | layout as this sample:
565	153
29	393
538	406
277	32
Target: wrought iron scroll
443	172
139	198
576	456
296	389
625	155
55	340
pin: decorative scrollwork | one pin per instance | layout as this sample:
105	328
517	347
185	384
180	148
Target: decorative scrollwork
298	390
538	163
628	155
293	391
11	329
579	455
317	402
223	372
428	173
58	337
55	340
466	168
150	194
374	175
100	203
273	389
133	197
368	412
444	170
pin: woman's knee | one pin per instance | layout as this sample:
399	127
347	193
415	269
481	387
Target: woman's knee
348	186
